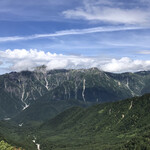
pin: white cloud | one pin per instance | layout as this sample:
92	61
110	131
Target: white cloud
21	59
126	64
72	32
108	13
18	60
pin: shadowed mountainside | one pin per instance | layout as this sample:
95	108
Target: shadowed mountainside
19	92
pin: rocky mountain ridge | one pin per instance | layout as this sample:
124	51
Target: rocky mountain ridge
22	89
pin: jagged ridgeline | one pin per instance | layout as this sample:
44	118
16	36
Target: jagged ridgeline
19	90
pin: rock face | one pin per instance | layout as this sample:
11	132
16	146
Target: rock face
20	90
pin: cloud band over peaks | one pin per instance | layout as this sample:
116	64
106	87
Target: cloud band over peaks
22	59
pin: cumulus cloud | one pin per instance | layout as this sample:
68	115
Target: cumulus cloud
22	59
109	13
126	64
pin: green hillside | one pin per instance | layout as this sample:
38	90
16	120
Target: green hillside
17	136
119	125
41	111
122	125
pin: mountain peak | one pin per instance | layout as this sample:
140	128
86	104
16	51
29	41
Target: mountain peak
42	68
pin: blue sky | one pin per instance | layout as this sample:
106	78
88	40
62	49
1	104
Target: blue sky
102	33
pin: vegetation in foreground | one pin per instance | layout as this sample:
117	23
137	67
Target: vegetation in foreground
5	146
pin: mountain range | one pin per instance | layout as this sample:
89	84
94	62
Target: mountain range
75	109
23	89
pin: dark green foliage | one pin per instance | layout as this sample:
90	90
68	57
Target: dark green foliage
122	125
15	136
119	125
41	111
